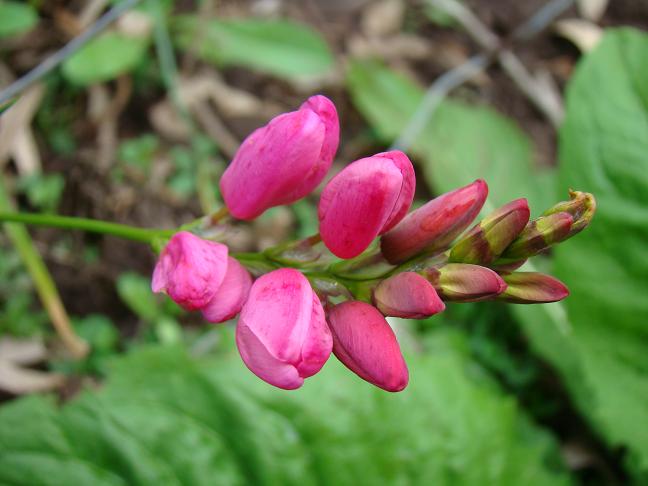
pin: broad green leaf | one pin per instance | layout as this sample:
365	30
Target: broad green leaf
16	18
603	354
459	144
105	58
278	47
165	418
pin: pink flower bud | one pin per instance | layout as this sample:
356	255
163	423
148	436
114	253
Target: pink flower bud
432	227
367	198
533	288
282	161
190	270
407	295
231	295
282	333
364	342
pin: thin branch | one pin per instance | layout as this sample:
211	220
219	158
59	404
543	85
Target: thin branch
66	51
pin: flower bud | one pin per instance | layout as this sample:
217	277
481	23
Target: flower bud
231	295
539	235
463	282
282	333
433	226
190	270
367	198
283	161
581	206
364	343
407	295
488	239
533	288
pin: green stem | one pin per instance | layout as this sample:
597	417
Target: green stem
144	235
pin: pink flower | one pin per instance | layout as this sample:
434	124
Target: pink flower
407	295
364	342
190	270
366	199
282	333
432	227
199	275
282	161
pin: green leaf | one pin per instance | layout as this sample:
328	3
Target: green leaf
165	418
279	47
16	18
461	142
135	291
604	150
105	58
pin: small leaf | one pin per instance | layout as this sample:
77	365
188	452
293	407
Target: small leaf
278	47
16	18
105	58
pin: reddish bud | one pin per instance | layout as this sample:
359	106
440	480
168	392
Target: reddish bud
364	342
463	282
488	239
433	226
367	198
283	161
581	206
539	235
533	288
407	295
190	270
282	333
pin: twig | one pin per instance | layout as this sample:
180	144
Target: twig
45	286
66	51
435	95
536	89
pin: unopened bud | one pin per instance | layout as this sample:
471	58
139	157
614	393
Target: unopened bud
407	295
490	237
539	235
433	226
463	282
581	206
533	288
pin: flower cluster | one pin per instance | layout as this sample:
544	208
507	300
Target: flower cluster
299	310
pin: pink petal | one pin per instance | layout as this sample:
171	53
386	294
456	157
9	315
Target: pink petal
190	270
406	195
282	161
407	295
231	295
364	342
283	317
356	204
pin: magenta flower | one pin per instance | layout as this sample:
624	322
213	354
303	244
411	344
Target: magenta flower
407	295
190	270
433	226
283	161
282	333
199	275
366	199
364	342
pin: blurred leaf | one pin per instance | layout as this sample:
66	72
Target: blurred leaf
461	142
16	18
105	58
279	47
164	418
604	150
135	291
43	191
98	331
